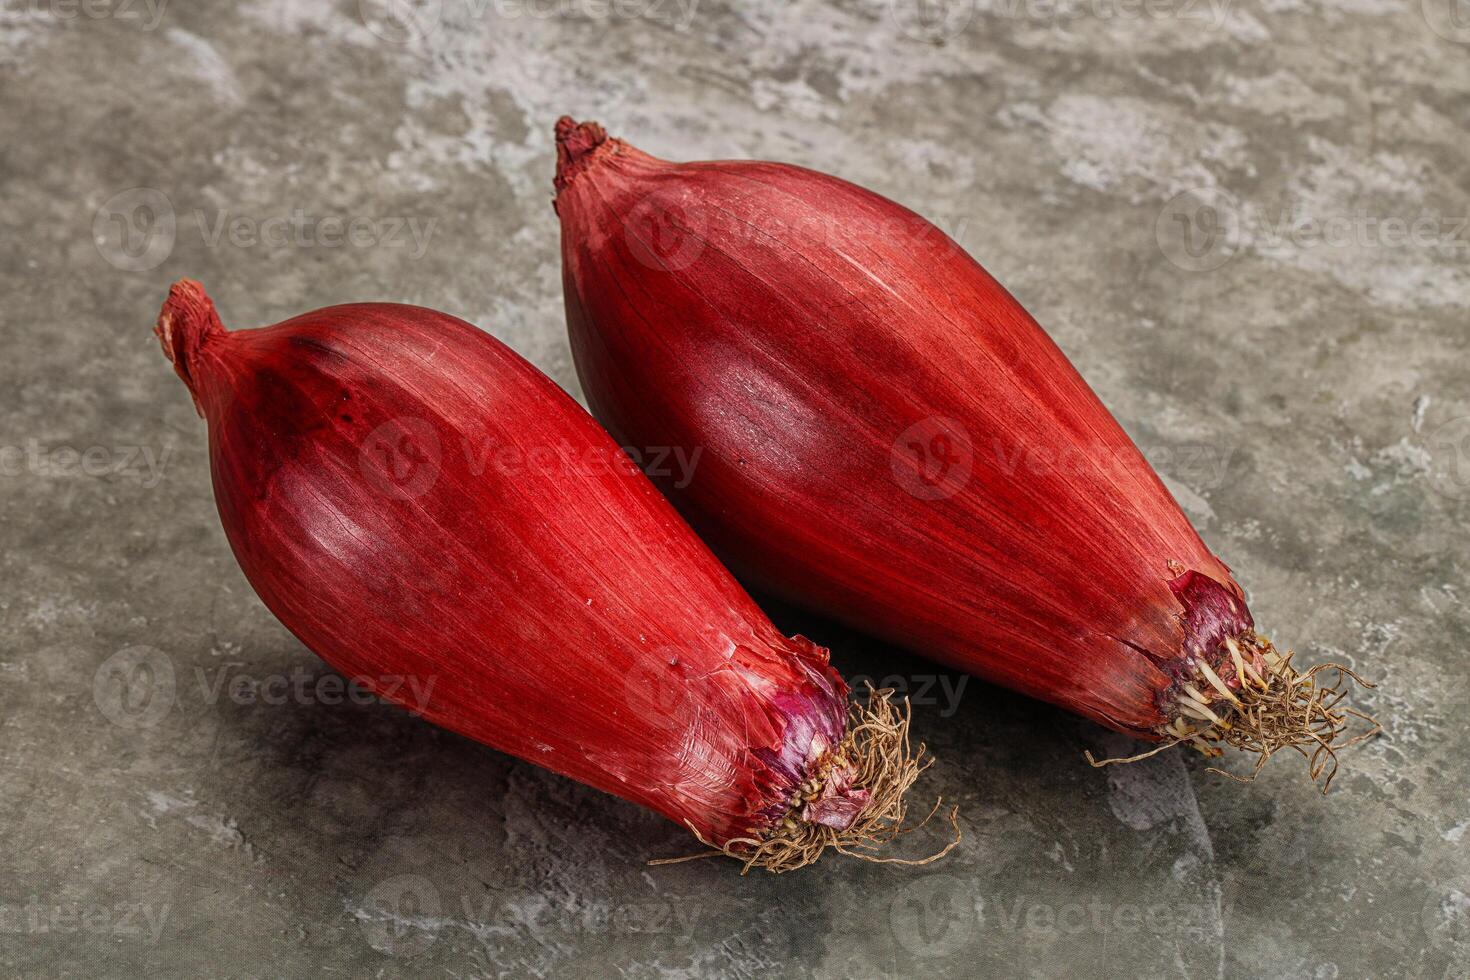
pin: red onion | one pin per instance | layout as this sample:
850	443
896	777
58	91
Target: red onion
888	437
412	499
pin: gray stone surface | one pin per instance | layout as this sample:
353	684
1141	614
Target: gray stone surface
1301	378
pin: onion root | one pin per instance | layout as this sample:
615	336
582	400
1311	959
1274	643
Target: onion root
1265	705
879	758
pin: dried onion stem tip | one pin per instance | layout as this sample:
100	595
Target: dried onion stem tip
1254	700
875	763
185	324
575	143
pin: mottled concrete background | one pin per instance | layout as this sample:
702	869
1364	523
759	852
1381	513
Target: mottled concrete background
1245	220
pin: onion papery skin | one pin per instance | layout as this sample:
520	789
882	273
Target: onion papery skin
414	500
886	435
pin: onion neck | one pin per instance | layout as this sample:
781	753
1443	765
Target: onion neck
584	147
577	146
186	324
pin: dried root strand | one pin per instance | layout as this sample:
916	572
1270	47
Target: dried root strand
877	751
1272	707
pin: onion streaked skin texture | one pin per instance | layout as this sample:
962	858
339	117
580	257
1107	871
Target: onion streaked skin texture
886	435
413	499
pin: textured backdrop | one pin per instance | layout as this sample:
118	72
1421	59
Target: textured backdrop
1244	219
